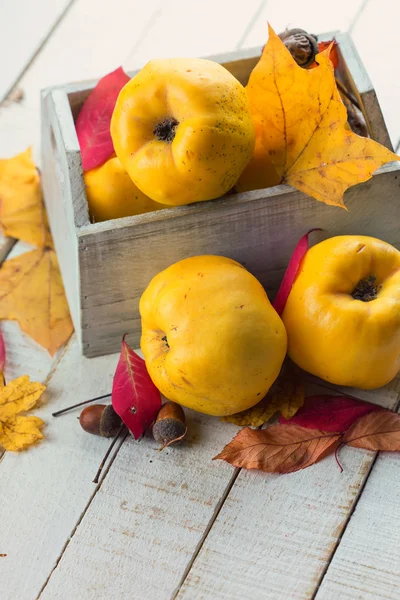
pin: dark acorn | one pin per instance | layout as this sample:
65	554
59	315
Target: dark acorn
100	419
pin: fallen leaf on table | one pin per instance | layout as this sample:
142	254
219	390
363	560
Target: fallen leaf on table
301	134
256	415
375	431
32	293
18	431
93	122
135	398
22	213
2	356
330	413
285	396
279	448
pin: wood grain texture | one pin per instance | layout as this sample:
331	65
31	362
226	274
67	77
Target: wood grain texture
376	36
147	519
367	562
259	229
275	533
25	27
357	80
45	490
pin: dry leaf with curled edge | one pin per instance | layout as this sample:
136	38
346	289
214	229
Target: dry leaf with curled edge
301	133
279	448
18	431
22	212
377	430
32	293
286	396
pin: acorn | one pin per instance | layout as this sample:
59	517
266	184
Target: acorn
302	46
100	419
170	426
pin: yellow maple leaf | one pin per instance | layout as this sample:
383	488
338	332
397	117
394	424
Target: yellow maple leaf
18	431
301	134
286	396
32	293
22	213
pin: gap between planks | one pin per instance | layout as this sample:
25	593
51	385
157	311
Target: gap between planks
351	513
207	531
38	50
92	497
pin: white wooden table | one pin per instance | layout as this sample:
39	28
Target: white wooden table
175	524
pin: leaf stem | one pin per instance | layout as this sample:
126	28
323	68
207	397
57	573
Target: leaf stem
64	410
337	457
107	454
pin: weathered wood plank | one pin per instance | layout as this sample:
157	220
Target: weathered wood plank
182	28
367	562
25	25
259	229
378	21
36	526
275	534
147	518
285	15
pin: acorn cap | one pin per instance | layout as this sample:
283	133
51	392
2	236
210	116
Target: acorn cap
110	422
170	426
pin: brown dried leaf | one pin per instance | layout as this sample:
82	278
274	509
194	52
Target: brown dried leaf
279	448
375	431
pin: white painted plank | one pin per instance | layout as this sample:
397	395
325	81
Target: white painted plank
310	15
275	533
44	490
24	26
93	38
377	40
142	527
367	562
186	29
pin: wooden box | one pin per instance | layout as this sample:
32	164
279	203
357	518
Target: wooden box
106	266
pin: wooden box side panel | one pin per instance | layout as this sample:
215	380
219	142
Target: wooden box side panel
60	187
258	229
359	84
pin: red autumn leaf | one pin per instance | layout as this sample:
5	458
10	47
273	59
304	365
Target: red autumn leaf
2	354
291	273
333	53
330	413
279	448
93	122
375	431
135	398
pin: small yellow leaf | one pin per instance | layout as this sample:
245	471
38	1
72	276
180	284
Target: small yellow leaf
301	130
22	213
290	398
19	432
256	415
16	431
32	293
286	396
19	395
